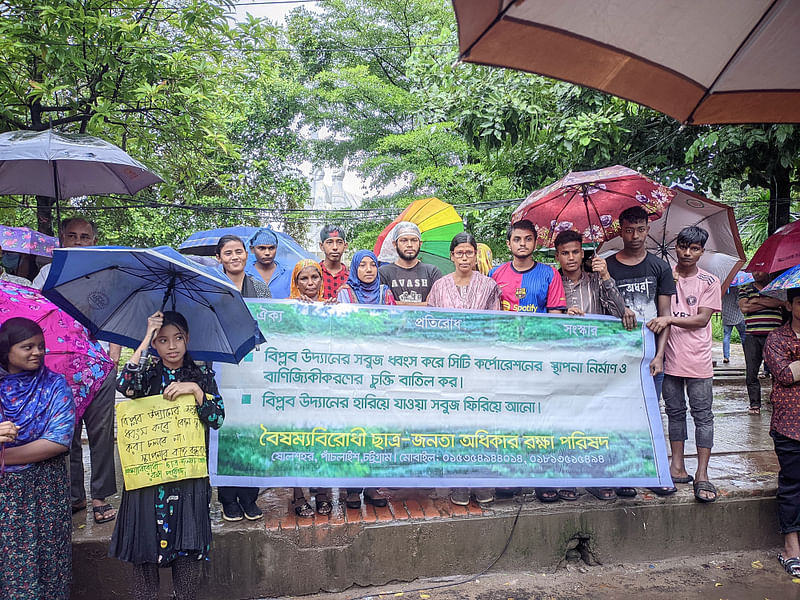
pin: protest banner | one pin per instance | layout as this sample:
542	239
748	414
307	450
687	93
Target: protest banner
355	395
160	441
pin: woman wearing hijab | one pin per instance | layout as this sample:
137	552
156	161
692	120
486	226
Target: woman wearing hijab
363	284
239	502
306	286
37	421
364	287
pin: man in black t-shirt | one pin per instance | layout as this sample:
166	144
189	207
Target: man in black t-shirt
409	279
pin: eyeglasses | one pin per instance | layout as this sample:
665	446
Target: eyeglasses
464	254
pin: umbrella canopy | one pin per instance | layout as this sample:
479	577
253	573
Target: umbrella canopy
438	223
27	241
590	202
203	243
65	165
113	290
741	278
70	349
779	251
723	255
716	61
778	286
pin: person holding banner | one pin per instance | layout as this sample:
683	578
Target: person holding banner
466	289
364	287
37	421
167	525
306	286
590	293
239	502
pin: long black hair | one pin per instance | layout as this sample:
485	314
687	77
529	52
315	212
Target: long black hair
14	331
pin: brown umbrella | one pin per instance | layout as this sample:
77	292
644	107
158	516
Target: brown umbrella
715	61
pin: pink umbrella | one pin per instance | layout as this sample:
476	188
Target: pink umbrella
70	349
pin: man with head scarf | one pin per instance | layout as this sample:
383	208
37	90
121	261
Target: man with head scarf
409	279
264	247
334	274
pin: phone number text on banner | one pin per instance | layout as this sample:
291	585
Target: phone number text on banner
356	395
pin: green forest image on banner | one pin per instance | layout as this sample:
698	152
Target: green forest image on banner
356	395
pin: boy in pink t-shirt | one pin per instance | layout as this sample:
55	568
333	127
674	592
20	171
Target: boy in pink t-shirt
687	360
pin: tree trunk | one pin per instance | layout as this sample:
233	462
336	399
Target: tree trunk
44	214
779	201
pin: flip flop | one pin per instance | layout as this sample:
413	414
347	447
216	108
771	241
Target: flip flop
625	492
704	486
569	494
605	494
687	479
101	510
546	494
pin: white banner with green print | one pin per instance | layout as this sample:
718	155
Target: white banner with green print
354	395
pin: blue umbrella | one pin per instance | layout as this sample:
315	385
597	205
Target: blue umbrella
112	291
741	278
204	242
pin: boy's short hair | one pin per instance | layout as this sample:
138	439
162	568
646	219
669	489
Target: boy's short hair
633	215
525	224
692	235
565	237
791	294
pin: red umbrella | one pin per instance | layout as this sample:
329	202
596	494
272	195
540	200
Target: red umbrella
779	251
590	202
70	349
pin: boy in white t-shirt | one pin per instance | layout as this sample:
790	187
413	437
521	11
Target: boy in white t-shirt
687	360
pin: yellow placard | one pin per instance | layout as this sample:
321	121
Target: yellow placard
160	441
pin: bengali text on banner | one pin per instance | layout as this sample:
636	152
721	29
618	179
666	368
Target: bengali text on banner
356	395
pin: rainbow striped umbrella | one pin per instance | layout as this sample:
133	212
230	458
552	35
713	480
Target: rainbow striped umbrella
438	223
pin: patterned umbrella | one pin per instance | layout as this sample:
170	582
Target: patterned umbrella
437	221
590	202
741	278
26	241
778	286
70	349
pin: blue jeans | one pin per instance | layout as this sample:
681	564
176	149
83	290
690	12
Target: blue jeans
726	338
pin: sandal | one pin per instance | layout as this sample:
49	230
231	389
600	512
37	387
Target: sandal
663	491
568	494
546	494
302	508
324	506
625	492
353	500
374	497
705	486
754	410
99	512
606	494
790	565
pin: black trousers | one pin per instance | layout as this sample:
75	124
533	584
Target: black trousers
788	497
753	357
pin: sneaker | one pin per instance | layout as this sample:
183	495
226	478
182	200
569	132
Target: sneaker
459	496
232	512
252	512
484	495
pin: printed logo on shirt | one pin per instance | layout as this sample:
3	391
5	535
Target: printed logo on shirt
409	283
410	296
691	300
506	305
520	293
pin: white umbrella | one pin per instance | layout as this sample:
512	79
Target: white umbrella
709	61
723	255
65	165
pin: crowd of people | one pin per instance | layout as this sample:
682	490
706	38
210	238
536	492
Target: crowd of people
169	525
